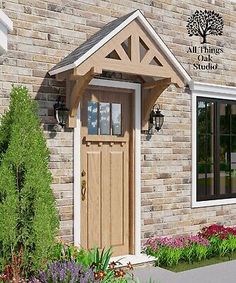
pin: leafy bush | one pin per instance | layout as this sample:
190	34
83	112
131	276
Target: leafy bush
211	241
218	231
169	251
93	259
201	252
222	239
232	244
29	221
64	251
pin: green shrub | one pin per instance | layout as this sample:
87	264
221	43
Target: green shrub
99	261
200	252
232	244
188	253
214	246
29	220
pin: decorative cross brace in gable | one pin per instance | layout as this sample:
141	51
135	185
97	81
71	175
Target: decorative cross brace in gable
130	47
131	51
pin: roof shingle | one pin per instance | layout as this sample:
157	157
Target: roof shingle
92	41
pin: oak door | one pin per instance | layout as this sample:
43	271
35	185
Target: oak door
106	168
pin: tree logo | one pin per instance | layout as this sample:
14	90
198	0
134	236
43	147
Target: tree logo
204	23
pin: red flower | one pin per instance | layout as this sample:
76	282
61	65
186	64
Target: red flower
99	275
130	266
119	273
218	231
112	265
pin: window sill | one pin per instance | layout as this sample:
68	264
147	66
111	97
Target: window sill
207	203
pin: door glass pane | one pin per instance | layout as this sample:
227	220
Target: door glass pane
92	118
104	118
201	117
116	119
233	118
224	118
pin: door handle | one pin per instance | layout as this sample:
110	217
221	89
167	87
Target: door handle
83	189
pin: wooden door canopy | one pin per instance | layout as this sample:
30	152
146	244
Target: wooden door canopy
127	45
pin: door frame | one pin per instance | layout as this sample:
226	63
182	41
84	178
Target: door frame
137	162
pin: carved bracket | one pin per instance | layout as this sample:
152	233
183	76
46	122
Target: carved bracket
75	87
151	92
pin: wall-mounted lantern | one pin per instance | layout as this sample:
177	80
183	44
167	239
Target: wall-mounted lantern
61	112
156	119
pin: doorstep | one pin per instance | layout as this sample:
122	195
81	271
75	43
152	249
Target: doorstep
141	260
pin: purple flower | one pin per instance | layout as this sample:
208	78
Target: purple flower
66	271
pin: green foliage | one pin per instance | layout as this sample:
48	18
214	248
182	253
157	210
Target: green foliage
68	252
29	220
99	261
200	252
214	246
224	247
167	256
188	253
173	256
232	244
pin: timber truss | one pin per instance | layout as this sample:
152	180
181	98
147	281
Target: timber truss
131	51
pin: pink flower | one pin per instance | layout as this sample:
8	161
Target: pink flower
175	242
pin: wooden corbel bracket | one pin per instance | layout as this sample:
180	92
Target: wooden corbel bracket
153	91
75	91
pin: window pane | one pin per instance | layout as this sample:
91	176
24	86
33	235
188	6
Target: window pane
201	189
210	179
224	149
224	118
224	164
216	148
210	149
201	148
210	117
201	117
92	118
104	118
233	118
224	178
233	164
116	119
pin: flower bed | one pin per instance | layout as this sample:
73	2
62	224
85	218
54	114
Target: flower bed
67	263
213	241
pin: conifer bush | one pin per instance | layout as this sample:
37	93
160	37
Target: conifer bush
28	216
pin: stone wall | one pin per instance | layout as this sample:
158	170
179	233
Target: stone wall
46	31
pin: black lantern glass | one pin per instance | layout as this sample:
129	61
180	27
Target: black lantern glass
61	112
156	119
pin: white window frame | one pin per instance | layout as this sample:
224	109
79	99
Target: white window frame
6	26
208	91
